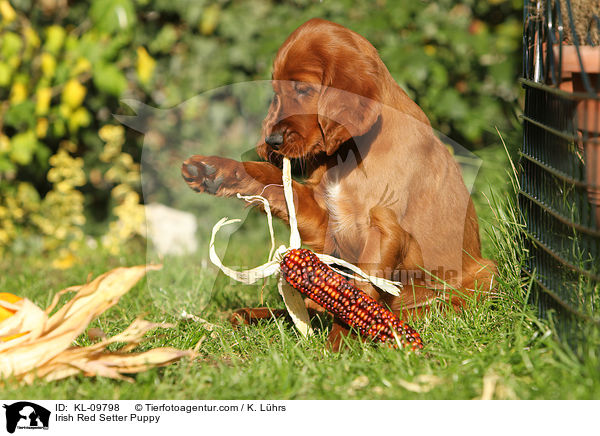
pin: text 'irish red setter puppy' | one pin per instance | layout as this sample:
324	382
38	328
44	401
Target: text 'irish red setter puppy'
381	190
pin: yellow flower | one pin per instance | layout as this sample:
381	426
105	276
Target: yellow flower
4	143
4	237
110	150
82	66
120	191
210	19
48	64
5	74
65	110
32	37
65	260
41	128
67	145
145	65
42	104
430	50
14	61
112	133
18	213
73	94
18	93
8	13
125	159
63	186
61	232
55	37
79	118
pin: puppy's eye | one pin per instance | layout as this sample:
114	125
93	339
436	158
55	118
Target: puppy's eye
303	90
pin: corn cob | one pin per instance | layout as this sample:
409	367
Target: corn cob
302	269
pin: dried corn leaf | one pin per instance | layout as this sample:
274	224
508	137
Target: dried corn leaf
45	351
95	297
28	319
132	335
422	384
20	360
112	365
295	306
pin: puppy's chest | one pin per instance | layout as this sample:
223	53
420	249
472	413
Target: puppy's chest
347	216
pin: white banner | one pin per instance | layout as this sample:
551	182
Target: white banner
248	417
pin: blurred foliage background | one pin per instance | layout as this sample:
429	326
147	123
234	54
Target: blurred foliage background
69	172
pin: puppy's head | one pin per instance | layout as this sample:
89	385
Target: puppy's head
325	80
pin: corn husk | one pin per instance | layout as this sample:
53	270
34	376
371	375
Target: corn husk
44	346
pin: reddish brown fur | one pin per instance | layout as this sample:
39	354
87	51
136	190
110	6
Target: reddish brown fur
381	190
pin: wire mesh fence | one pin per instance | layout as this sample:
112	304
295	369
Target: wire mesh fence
560	160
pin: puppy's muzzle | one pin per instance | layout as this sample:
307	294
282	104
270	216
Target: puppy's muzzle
274	140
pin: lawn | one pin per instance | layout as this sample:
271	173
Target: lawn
494	349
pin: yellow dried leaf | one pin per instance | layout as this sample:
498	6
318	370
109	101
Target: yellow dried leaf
9	310
112	365
17	360
95	297
27	319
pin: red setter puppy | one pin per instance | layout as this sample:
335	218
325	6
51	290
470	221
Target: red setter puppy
381	190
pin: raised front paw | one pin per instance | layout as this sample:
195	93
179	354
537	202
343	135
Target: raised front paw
212	174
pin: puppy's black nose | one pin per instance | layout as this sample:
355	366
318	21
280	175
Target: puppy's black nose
274	140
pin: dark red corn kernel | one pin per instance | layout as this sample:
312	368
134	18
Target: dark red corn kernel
308	274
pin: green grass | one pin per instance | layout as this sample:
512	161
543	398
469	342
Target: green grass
494	349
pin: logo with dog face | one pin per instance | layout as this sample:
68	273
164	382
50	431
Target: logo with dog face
26	415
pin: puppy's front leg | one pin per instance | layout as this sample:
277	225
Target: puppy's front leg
226	177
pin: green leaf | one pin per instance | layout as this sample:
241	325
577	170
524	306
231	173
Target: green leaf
112	16
58	128
55	37
164	41
11	44
21	116
6	164
4	74
23	147
42	154
451	104
108	78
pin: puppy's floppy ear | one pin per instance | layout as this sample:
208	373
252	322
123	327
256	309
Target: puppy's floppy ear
344	114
